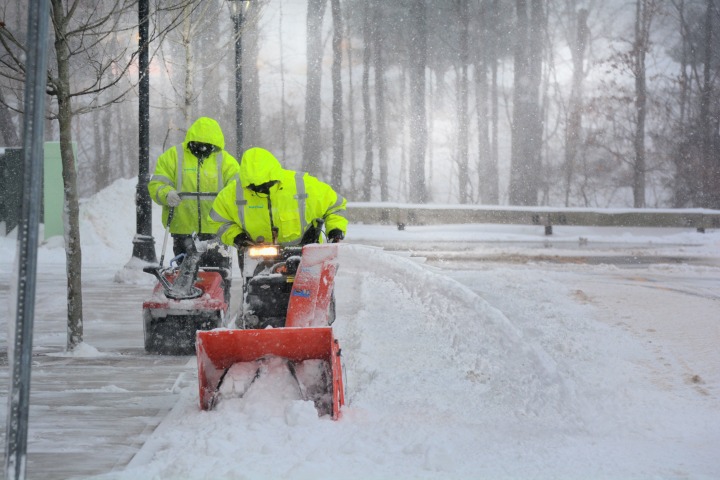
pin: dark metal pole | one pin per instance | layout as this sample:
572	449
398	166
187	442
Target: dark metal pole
238	21
143	243
20	351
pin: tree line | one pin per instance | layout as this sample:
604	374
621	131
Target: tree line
526	102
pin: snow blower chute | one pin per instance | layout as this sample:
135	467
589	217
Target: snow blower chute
302	338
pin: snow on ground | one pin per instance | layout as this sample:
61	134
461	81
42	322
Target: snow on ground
460	365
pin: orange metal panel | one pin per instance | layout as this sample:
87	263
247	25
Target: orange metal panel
217	350
313	285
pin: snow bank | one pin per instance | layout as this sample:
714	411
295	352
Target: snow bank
441	384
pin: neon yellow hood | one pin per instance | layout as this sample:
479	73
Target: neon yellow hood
206	130
259	166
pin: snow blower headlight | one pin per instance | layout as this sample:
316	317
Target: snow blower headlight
260	251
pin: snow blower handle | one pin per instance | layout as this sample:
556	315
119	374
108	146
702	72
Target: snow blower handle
167	231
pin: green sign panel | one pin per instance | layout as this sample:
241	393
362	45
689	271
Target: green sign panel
54	197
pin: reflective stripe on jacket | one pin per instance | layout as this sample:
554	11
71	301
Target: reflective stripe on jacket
197	182
294	202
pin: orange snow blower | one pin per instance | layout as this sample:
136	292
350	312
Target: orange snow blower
288	309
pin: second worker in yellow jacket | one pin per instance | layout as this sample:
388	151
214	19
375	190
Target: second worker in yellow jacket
276	204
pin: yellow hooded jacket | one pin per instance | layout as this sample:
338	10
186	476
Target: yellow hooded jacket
293	203
196	182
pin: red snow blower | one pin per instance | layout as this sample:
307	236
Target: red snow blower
186	298
287	312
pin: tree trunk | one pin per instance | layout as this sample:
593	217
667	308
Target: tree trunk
283	121
433	94
380	103
312	146
484	161
351	103
684	61
418	127
188	98
100	172
527	121
8	131
338	137
252	119
462	103
710	197
402	187
367	114
110	155
73	252
573	132
642	24
493	180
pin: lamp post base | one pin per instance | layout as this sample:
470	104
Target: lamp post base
144	248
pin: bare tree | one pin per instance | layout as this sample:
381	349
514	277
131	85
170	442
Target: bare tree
252	119
573	131
187	32
312	147
645	10
81	69
684	78
418	128
482	114
493	194
350	98
462	8
193	67
527	125
337	113
8	130
367	114
283	121
696	178
710	197
380	88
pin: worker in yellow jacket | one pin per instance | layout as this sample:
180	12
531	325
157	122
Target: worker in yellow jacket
187	179
276	204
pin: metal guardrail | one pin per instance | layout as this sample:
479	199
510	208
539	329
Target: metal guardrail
414	214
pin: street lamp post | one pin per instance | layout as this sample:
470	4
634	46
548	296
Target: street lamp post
237	8
143	243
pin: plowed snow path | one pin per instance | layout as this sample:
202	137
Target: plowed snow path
491	373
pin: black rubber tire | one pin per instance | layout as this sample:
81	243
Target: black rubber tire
175	335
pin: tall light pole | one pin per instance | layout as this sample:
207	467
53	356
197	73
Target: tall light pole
143	243
237	8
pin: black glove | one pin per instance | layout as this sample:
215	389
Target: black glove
335	235
243	240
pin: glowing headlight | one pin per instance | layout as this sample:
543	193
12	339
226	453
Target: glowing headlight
263	251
